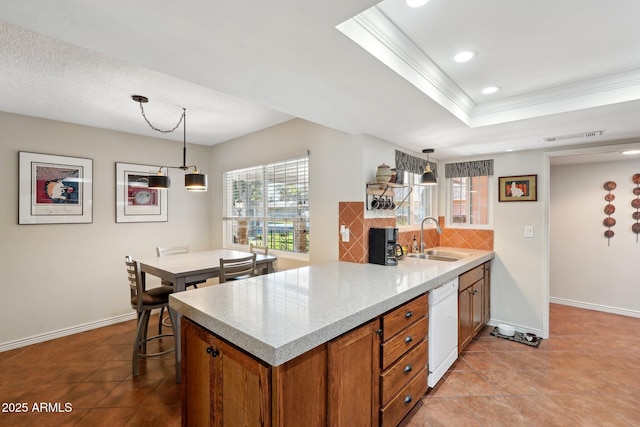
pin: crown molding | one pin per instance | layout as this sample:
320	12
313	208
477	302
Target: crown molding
377	34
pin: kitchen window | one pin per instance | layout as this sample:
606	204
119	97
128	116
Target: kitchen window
268	205
418	205
469	188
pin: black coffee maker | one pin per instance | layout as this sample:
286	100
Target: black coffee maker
382	246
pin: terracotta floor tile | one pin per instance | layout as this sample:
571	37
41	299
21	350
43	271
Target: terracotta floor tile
441	412
587	373
107	417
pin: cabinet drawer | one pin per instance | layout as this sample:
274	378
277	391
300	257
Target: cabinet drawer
403	402
404	341
470	277
403	371
401	317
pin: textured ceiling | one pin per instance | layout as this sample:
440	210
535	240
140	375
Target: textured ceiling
565	67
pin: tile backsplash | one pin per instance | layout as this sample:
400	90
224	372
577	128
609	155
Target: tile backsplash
351	215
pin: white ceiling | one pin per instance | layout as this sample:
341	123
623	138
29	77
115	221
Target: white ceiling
565	67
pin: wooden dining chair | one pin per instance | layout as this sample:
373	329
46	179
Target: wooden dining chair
263	250
237	268
143	301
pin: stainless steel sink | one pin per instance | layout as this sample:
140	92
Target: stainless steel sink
438	255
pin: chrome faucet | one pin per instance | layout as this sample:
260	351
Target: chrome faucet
422	245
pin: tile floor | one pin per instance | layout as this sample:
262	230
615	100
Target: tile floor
586	374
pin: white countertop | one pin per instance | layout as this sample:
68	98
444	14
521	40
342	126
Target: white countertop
279	316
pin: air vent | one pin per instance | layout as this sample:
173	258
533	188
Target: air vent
573	136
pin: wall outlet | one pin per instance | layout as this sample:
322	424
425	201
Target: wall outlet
528	231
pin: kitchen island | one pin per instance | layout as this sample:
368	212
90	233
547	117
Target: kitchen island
286	335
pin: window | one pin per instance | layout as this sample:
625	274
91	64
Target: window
470	200
418	205
268	205
469	185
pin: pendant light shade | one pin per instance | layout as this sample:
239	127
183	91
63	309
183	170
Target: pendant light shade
428	177
159	181
195	181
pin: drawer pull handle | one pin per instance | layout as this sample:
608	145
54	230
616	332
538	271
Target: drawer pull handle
408	314
407	368
408	339
408	399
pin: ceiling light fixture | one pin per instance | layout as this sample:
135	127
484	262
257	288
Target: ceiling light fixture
490	89
630	152
416	3
193	181
428	177
464	56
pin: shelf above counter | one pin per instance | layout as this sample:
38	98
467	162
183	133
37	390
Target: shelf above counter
384	189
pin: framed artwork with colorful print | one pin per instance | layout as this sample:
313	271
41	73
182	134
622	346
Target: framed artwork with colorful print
135	201
54	189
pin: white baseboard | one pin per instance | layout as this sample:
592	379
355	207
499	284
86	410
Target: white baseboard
23	342
596	307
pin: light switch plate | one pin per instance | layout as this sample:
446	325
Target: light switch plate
528	231
344	234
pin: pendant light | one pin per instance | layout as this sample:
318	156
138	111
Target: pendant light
193	181
428	177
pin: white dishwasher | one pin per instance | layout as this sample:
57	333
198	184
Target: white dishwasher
443	330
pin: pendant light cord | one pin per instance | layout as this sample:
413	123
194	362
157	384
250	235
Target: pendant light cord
182	117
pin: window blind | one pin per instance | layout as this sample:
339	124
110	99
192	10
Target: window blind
268	204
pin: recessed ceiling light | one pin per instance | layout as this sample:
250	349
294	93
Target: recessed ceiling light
490	89
631	152
464	56
416	3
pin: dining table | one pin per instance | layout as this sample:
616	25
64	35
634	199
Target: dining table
193	267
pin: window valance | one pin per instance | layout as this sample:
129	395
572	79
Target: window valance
465	169
413	164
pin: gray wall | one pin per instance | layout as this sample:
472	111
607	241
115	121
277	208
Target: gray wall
61	278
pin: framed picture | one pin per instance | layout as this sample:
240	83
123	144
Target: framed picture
520	188
135	201
54	189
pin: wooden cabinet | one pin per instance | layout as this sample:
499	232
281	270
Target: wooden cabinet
474	299
216	376
372	375
404	359
353	377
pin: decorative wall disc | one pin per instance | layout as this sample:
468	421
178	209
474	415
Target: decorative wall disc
636	178
609	209
635	203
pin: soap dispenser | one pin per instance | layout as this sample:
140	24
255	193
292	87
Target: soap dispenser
414	247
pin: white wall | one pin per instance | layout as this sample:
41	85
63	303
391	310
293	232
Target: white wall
519	270
585	269
61	278
335	174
